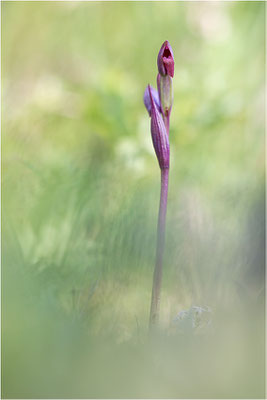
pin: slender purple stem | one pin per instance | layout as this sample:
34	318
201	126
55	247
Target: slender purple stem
166	120
155	301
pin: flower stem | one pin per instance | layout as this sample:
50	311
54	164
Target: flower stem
155	300
166	119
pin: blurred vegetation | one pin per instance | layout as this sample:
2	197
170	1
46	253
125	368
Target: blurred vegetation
80	192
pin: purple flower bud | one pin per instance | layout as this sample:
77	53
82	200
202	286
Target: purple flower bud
165	91
147	100
159	135
166	60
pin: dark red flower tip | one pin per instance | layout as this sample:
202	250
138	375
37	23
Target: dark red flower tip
166	60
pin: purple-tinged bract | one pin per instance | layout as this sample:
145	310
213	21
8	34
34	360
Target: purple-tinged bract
165	91
147	101
166	60
159	135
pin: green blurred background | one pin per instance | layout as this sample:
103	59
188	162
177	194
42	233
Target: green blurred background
80	193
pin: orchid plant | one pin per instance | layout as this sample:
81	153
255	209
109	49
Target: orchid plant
159	104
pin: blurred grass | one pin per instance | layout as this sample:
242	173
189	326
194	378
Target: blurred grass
80	187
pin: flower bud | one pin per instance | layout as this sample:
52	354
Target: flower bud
165	92
147	100
166	60
159	135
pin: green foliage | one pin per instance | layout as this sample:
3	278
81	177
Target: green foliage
80	192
